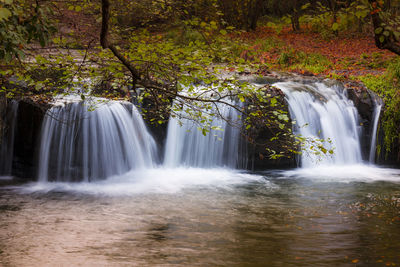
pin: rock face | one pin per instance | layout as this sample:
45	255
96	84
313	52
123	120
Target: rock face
264	150
384	156
26	140
156	117
3	108
363	101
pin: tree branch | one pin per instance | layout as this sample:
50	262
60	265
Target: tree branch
105	12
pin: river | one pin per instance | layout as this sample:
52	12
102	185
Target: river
328	216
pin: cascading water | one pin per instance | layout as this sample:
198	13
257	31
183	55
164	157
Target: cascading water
323	112
82	145
187	146
375	119
7	142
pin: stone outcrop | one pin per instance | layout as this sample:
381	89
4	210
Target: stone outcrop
264	150
363	101
27	136
3	109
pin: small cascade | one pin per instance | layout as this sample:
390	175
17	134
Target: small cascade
375	119
7	142
80	144
187	146
323	112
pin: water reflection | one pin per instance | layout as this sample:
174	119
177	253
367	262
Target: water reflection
278	220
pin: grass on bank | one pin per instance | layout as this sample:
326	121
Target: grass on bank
387	86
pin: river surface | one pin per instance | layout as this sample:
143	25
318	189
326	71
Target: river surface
196	217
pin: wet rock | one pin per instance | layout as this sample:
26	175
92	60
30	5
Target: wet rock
261	139
3	109
27	136
361	98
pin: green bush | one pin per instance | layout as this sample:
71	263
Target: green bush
387	86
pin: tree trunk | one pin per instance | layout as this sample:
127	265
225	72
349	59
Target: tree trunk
105	43
295	16
295	22
382	41
255	11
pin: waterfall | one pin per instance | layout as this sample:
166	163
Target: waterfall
7	142
81	144
323	112
187	146
375	119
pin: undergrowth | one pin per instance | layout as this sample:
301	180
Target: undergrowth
387	86
298	60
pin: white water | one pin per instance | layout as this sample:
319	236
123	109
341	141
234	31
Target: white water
346	173
375	119
324	112
153	180
81	145
187	146
7	143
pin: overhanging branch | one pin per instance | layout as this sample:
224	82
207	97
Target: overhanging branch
105	43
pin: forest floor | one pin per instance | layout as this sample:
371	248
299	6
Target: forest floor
344	56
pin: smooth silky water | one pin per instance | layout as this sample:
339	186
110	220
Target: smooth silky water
327	213
198	217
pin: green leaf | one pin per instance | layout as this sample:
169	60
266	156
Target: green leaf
386	33
396	35
335	26
305	6
381	38
4	13
378	30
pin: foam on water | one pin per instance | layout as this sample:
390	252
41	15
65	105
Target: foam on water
156	180
346	173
